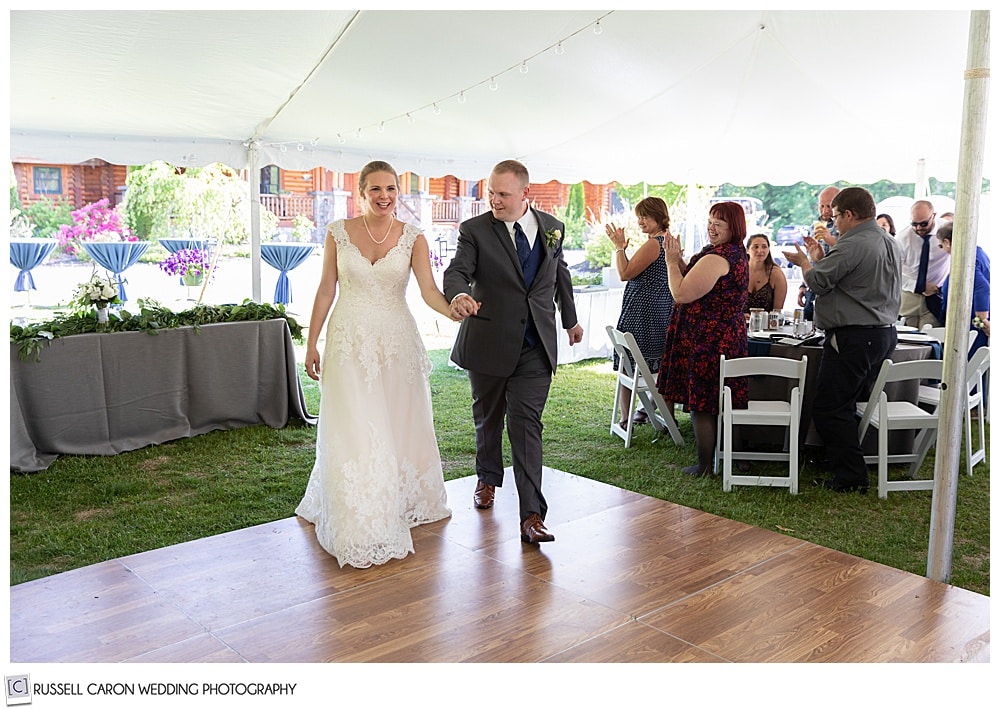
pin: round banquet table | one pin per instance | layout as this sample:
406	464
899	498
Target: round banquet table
773	388
26	254
116	257
284	257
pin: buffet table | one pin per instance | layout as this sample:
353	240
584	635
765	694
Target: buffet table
107	393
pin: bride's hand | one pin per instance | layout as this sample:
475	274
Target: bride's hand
312	363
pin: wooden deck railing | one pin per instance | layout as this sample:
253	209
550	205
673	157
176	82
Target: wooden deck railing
288	206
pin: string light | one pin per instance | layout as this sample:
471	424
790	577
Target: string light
492	82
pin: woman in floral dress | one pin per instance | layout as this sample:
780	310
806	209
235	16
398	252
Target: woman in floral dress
710	296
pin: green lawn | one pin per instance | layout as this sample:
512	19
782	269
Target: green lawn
84	510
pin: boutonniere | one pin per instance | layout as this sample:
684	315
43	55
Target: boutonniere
552	237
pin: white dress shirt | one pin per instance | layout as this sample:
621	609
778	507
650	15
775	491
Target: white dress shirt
530	226
910	244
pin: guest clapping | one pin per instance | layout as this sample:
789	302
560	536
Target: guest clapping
647	304
710	295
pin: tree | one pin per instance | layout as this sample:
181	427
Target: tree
211	202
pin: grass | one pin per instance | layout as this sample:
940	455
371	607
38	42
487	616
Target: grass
83	510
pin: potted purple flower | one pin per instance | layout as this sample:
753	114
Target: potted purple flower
192	265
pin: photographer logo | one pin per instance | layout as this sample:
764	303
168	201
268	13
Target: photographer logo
18	689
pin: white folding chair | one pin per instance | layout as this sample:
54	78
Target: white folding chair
976	378
760	413
642	385
888	416
977	375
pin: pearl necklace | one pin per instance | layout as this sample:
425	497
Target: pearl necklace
392	218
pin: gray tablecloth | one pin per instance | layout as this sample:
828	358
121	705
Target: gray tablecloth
107	393
775	388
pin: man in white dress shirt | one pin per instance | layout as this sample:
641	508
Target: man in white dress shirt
921	298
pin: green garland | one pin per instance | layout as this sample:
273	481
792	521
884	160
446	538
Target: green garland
151	318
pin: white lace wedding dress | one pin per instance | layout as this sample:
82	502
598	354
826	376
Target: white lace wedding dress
378	469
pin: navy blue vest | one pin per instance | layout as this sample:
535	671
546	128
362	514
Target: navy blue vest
530	269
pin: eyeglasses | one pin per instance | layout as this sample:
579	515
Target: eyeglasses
835	215
925	223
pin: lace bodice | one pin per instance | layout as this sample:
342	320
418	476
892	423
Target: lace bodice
371	323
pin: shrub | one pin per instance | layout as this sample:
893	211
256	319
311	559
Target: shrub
93	222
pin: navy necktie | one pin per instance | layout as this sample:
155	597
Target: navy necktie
925	255
521	242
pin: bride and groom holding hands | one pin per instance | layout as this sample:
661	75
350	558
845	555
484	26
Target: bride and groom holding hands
378	470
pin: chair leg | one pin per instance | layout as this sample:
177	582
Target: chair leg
883	462
726	426
793	455
968	440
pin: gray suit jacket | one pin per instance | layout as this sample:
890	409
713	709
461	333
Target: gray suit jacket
486	266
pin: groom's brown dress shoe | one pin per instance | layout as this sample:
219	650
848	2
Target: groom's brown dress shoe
483	497
533	530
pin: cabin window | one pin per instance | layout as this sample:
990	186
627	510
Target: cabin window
270	180
47	181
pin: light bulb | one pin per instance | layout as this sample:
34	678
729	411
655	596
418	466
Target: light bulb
493	84
559	48
437	110
597	28
524	67
381	127
461	97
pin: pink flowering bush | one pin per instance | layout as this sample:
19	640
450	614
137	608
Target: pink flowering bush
96	222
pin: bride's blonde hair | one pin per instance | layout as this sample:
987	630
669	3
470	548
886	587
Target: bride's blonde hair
376	166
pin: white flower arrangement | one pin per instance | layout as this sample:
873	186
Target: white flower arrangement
97	292
552	237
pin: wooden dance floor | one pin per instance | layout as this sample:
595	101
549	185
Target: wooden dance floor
629	578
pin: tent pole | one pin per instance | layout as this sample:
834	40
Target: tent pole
253	170
963	258
920	187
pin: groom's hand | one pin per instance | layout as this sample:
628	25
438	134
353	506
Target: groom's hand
463	306
575	334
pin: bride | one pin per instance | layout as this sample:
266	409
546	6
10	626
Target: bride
378	470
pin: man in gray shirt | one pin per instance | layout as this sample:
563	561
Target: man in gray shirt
857	287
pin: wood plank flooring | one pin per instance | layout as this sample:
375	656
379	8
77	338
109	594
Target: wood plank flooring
628	579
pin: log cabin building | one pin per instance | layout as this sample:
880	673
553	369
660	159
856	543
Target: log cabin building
320	194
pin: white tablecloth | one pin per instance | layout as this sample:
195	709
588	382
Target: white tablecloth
596	309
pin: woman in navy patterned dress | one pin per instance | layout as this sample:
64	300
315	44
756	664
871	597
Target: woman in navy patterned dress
647	303
710	295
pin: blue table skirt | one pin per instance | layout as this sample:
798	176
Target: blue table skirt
26	254
284	257
116	257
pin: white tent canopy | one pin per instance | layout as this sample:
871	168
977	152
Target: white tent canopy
684	96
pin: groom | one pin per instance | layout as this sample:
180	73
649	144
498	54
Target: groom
508	273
